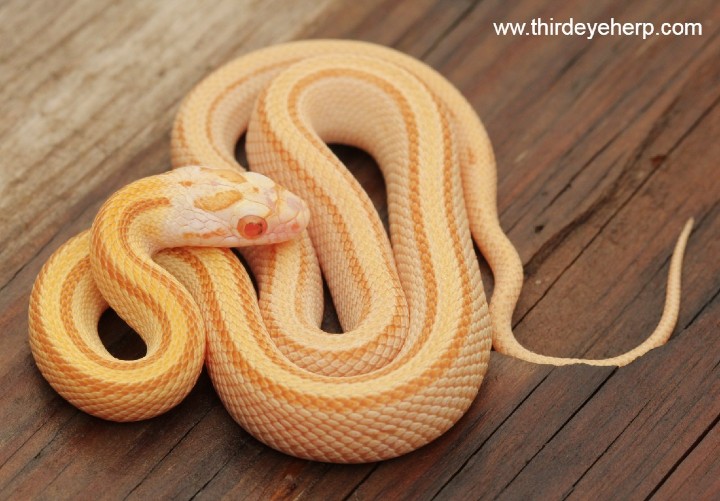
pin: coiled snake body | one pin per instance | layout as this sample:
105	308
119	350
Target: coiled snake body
418	330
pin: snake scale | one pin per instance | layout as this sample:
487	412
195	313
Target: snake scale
418	329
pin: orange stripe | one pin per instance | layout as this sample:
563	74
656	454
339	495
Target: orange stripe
68	287
412	132
230	158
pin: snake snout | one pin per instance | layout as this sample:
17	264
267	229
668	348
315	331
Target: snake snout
292	212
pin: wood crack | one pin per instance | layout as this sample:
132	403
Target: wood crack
560	429
491	434
609	446
682	458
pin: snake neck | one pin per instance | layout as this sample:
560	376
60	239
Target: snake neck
126	234
131	220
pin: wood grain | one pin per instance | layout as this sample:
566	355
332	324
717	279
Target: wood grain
604	148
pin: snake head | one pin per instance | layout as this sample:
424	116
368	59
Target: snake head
228	208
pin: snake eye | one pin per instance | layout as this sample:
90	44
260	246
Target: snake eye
251	227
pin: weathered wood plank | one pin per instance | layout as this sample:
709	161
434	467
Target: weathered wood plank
604	147
571	381
583	93
697	476
662	410
96	108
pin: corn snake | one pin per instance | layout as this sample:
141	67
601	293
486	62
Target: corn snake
418	327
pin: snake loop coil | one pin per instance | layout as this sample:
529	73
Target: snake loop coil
418	330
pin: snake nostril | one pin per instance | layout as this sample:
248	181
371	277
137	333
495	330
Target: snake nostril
289	207
295	202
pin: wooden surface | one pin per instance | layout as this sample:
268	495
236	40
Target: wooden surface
605	147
